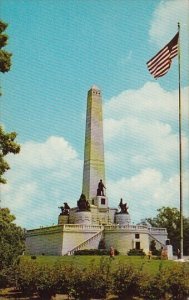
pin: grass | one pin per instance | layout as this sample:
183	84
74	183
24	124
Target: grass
84	261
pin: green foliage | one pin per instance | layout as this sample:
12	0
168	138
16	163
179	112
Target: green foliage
153	287
5	61
25	277
3	278
95	281
102	244
136	252
126	281
89	283
156	252
173	282
177	279
11	239
5	57
48	280
170	218
94	252
7	145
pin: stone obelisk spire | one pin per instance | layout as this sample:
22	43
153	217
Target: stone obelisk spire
93	169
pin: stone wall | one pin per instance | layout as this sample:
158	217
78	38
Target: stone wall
124	240
98	216
46	240
73	239
59	240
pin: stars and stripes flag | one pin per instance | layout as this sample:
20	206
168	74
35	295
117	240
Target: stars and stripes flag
159	64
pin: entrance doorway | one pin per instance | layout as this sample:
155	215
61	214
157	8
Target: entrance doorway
137	245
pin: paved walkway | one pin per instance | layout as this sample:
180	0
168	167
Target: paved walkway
184	259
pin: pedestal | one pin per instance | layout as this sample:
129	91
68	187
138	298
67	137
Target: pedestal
169	249
63	219
83	217
123	219
101	201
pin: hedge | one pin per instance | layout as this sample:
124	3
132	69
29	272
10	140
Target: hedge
95	252
30	277
136	252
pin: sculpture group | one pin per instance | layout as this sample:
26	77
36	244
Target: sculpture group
123	207
83	203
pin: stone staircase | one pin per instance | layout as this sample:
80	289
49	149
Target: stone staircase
156	240
86	244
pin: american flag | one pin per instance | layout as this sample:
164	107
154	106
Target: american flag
159	64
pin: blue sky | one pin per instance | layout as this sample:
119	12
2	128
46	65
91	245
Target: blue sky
60	49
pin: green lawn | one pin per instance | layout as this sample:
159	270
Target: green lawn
83	261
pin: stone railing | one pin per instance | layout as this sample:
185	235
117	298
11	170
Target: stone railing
126	227
81	227
157	230
85	243
44	230
157	240
129	227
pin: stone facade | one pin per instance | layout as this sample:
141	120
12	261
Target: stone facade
93	169
65	239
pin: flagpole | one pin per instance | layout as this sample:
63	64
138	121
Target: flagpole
180	152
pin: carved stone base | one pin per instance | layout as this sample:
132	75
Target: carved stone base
63	219
83	217
123	219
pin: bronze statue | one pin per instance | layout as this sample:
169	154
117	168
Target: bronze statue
64	209
124	207
101	187
83	204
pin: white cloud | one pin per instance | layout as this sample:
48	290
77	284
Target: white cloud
164	26
42	177
141	134
147	191
165	19
150	101
141	130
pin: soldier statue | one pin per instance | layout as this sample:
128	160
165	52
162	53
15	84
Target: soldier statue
101	187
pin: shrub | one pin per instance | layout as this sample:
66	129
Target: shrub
126	281
153	287
136	252
172	281
178	281
26	275
156	252
102	244
65	279
46	282
3	278
94	252
93	282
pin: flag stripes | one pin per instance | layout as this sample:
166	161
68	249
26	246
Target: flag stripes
159	64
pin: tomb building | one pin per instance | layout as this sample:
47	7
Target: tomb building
93	219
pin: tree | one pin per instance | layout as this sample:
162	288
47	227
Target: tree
11	239
7	143
5	57
169	218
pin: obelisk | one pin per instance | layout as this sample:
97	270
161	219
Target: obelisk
93	169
